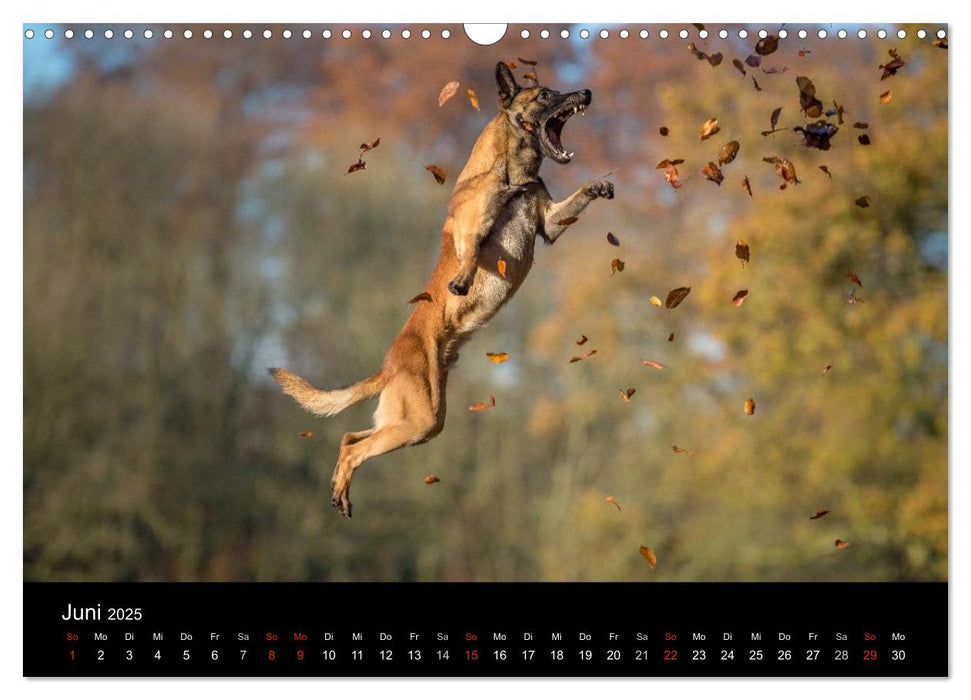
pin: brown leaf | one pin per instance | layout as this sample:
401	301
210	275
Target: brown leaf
747	185
785	169
625	394
700	55
740	296
940	43
567	221
742	251
827	368
807	97
424	296
728	152
840	544
527	61
767	45
738	64
709	128
649	557
893	65
715	59
432	479
307	434
756	84
656	302
671	338
582	357
825	169
860	125
772	70
804	52
749	407
753	61
582	339
437	172
652	364
886	96
664	131
497	357
365	147
616	265
613	501
853	277
668	163
671	175
359	165
699	27
863	201
612	239
863	139
676	296
680	450
501	266
447	92
818	514
713	172
473	99
774	119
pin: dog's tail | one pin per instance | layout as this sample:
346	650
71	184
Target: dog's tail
326	403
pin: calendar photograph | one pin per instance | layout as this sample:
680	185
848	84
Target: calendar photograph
586	304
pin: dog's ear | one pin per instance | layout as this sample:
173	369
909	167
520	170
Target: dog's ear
507	84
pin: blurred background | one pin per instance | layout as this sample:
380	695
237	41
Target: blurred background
189	221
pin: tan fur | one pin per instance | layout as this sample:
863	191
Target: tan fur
500	182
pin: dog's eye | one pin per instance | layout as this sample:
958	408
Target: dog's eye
545	95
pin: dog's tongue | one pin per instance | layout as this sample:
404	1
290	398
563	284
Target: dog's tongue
553	129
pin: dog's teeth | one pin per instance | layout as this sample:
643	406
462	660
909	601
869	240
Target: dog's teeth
570	154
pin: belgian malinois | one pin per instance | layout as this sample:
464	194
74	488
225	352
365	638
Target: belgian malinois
497	209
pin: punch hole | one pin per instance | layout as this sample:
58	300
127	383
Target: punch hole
663	33
267	34
841	33
821	33
803	33
129	33
644	34
346	33
88	34
861	33
584	34
307	34
683	34
565	34
425	34
486	34
723	34
228	34
902	34
29	33
326	34
742	34
783	33
49	34
703	33
405	33
167	34
545	34
148	33
604	34
207	34
367	34
247	34
68	33
446	34
524	34
882	34
385	34
624	33
921	34
287	34
763	34
187	34
941	34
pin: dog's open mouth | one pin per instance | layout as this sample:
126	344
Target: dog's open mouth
553	130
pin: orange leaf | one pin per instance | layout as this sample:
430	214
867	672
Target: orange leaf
497	357
613	501
582	357
886	96
749	407
501	266
616	265
432	479
680	451
656	302
818	514
827	368
527	61
728	152
852	277
709	128
437	172
424	296
649	556
840	544
671	338
365	147
479	406
307	434
359	165
740	296
676	296
625	394
581	340
447	92
473	99
713	172
652	364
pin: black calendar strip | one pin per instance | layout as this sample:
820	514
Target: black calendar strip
363	630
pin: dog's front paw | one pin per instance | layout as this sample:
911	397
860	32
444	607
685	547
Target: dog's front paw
600	188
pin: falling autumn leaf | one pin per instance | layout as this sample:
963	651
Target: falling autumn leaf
825	169
676	296
473	99
612	239
827	368
749	407
755	82
671	175
656	302
817	134
359	165
613	501
649	557
785	169
424	296
437	172
664	131
852	298
740	296
479	406
501	266
432	479
307	434
582	357
804	52
738	64
527	61
680	450
886	96
893	65
863	139
753	61
863	201
840	544
671	338
567	221
497	357
652	364
861	125
747	185
715	59
365	147
709	128
742	251
812	107
582	339
625	394
511	65
818	514
447	92
668	162
713	172
616	265
853	277
728	152
767	45
940	43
